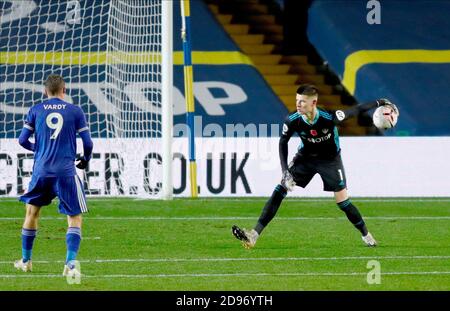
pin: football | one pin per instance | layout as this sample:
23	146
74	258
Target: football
385	117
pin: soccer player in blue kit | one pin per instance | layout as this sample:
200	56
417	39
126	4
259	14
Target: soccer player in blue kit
55	124
319	153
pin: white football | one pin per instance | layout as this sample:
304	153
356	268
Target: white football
385	117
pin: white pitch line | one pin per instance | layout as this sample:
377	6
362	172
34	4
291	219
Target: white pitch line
267	259
325	200
238	218
195	275
249	199
230	259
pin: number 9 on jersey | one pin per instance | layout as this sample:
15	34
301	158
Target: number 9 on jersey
57	126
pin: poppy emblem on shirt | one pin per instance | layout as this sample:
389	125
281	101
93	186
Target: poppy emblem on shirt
313	132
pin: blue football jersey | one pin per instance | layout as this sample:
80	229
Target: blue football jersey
55	124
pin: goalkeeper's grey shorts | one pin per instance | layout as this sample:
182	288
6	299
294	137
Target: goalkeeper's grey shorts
303	169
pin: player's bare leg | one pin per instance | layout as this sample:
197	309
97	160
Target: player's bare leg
249	237
73	239
75	221
354	216
29	229
32	217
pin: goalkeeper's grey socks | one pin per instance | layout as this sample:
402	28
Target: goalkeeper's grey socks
271	208
353	215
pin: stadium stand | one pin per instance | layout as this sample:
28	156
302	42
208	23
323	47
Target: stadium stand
259	28
401	58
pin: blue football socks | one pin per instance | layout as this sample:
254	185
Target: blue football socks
73	239
28	236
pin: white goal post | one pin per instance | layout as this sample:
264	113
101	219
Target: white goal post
166	95
116	59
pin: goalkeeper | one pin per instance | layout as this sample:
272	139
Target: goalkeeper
318	153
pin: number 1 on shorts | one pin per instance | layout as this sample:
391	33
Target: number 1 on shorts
340	174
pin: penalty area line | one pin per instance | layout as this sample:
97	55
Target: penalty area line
280	218
235	259
262	199
201	275
187	218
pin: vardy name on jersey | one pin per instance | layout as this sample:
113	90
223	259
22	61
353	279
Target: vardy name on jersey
55	106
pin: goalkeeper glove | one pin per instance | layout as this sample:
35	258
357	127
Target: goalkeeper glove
83	163
287	181
387	102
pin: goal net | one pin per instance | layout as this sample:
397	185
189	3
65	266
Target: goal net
115	57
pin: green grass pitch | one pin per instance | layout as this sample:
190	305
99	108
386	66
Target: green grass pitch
187	244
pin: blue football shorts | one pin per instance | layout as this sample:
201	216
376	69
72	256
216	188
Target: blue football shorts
68	189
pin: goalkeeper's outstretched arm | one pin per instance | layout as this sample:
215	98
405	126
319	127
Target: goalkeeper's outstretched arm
342	115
